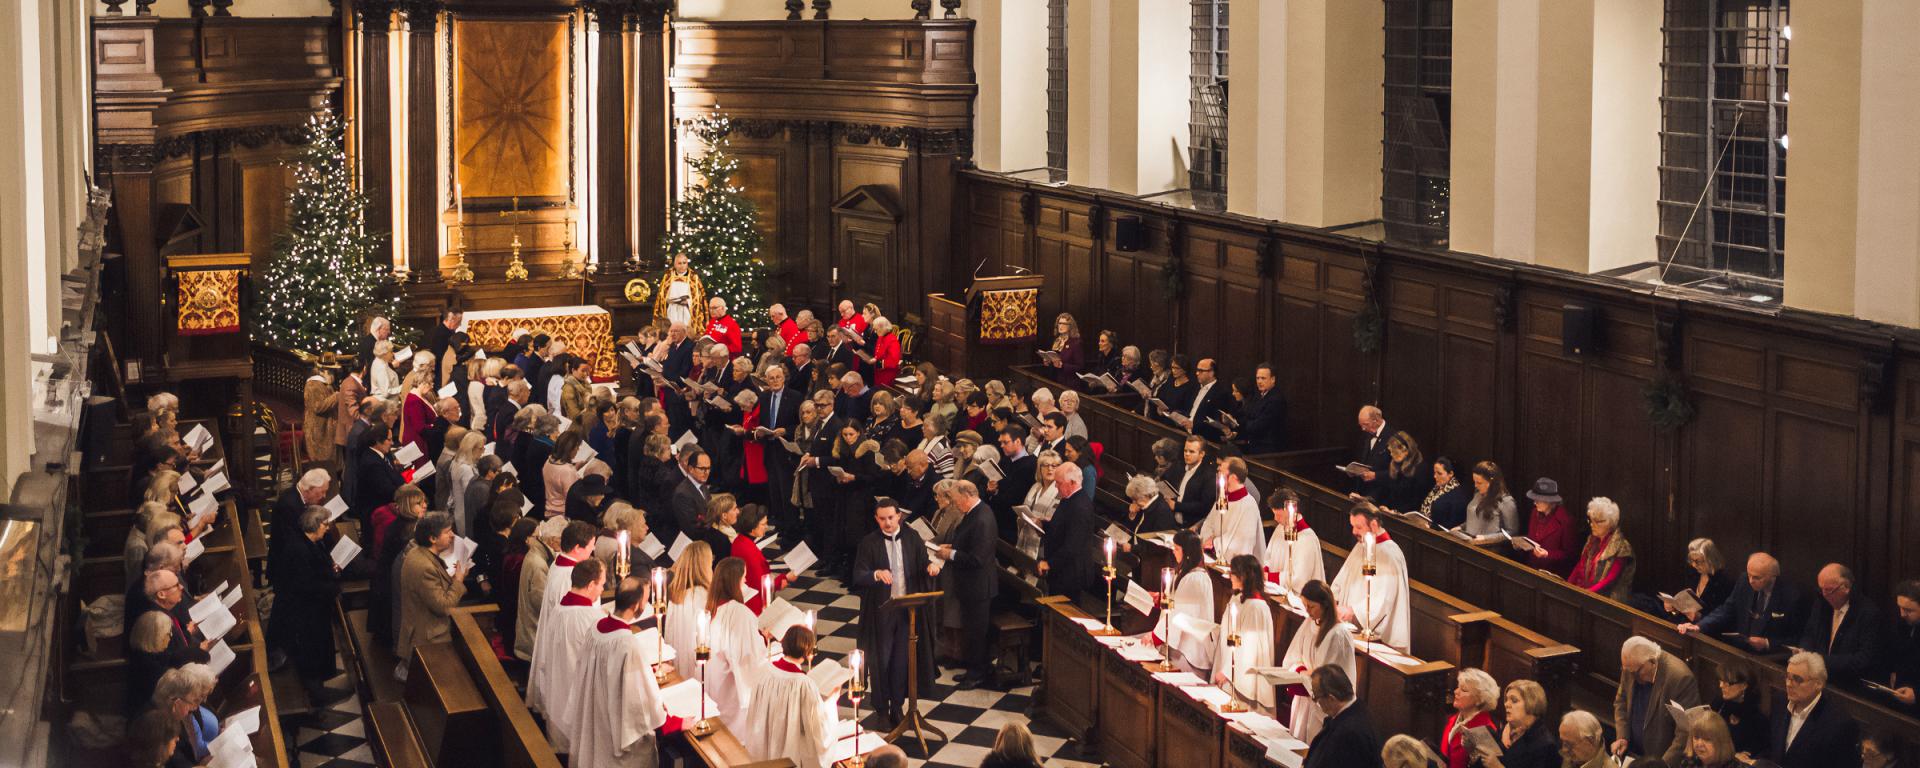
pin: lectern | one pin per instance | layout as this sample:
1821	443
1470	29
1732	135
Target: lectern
993	325
910	718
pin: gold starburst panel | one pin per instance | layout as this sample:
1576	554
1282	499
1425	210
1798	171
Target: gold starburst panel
510	108
1008	317
209	301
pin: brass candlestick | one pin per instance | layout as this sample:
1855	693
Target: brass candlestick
855	690
1233	688
516	269
1367	635
1109	572
701	655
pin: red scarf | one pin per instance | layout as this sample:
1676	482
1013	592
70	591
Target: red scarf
1236	494
574	598
788	666
612	624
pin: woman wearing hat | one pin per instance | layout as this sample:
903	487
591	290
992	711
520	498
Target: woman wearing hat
1551	529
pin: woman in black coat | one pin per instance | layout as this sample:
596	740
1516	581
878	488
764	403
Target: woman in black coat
153	647
305	587
1529	739
849	493
1446	502
375	477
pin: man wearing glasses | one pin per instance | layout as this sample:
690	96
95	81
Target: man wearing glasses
1811	731
689	498
1347	738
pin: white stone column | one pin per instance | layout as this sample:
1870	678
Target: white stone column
1127	90
1257	109
1332	125
19	225
1010	64
1887	250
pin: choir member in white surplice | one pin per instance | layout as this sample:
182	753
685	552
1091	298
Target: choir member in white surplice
791	716
1292	563
1193	599
1380	602
1320	640
1233	527
687	601
620	699
1250	617
576	544
738	652
553	679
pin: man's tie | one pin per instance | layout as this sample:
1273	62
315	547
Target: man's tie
774	416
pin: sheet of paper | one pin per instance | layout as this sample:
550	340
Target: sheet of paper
565	423
185	484
510	469
462	552
230	746
200	509
219	657
1280	676
1678	712
196	548
829	674
1207	694
686	438
779	616
767	541
407	454
526	504
922	527
246	721
487	450
451	389
992	471
652	546
585	454
680	544
421	472
215	483
1179	678
1138	598
232	596
198	438
1091	625
403	356
800	559
218	623
344	551
682	700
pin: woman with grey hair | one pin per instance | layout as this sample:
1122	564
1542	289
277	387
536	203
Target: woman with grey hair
1474	696
182	695
1606	562
154	648
305	588
1147	510
1070	407
1040	502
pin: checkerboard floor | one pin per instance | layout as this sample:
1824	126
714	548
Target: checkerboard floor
335	737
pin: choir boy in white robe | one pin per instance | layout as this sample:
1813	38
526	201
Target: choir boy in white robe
1233	527
791	716
1193	599
1320	640
620	700
1381	602
553	679
1250	616
576	546
738	652
1292	562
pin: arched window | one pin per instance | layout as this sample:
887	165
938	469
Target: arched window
1207	102
1417	121
1724	117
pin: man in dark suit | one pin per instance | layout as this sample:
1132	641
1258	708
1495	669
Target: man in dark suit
1811	731
1053	432
305	586
1066	554
438	340
1347	738
1208	395
1373	448
839	351
1192	483
888	563
1763	612
974	561
854	400
310	491
689	499
674	370
780	412
1845	631
803	372
376	479
1011	491
501	420
1263	423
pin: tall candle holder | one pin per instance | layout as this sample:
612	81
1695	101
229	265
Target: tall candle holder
1367	571
701	655
1289	533
660	618
1166	623
1233	645
516	269
1109	572
856	689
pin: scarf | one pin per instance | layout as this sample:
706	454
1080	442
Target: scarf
1426	507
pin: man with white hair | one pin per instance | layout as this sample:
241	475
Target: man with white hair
1649	678
1845	631
1763	613
855	399
721	327
1066	547
310	491
1580	741
790	331
1811	731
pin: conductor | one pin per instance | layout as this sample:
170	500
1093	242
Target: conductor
888	563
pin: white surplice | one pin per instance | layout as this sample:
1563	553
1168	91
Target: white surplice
1233	530
1388	612
1298	561
1305	652
1193	596
620	702
553	679
683	628
559	582
789	719
738	660
1253	620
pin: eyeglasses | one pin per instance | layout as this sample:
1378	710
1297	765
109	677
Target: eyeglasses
703	468
1798	679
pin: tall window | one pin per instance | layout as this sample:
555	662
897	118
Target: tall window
1419	91
1057	89
1207	103
1724	118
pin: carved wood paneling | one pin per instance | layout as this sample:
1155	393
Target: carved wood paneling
510	112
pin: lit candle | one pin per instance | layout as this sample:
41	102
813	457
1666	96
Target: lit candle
836	274
621	540
1221	481
1369	549
1292	512
659	583
700	633
766	589
811	616
855	660
1166	579
1109	547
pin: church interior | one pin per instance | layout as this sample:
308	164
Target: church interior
874	383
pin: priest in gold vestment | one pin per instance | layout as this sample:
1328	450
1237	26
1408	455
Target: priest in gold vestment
681	298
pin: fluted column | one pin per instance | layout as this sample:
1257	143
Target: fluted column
423	178
612	228
375	116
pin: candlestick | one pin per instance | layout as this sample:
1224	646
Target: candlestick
1108	572
621	564
1369	550
1166	620
1232	628
660	613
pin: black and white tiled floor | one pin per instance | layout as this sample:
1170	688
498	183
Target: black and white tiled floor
335	736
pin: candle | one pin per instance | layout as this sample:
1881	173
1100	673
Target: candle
854	661
1292	511
811	616
766	589
621	540
1222	482
1166	579
700	633
1369	549
836	274
659	584
1109	548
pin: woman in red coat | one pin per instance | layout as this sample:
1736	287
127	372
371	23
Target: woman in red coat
752	525
886	353
753	455
1551	528
1474	698
416	411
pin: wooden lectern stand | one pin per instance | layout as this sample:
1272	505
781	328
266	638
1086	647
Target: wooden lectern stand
910	718
961	340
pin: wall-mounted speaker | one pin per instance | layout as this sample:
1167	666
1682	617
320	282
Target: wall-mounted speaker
1579	329
1129	233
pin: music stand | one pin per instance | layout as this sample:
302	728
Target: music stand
910	718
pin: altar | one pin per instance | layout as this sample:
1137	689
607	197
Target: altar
587	330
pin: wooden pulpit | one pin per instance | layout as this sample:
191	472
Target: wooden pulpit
994	325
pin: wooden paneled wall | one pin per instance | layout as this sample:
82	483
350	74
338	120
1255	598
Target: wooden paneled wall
849	136
1805	440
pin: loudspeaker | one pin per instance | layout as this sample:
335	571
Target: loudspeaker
1579	329
1129	233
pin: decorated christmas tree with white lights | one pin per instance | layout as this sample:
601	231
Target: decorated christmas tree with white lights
713	224
325	274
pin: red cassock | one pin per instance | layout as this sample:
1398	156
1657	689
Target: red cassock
886	360
726	331
857	325
749	552
791	334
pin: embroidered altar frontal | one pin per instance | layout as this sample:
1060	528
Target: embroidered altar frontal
588	332
1009	317
209	301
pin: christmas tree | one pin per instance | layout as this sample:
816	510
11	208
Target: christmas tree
713	224
325	274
